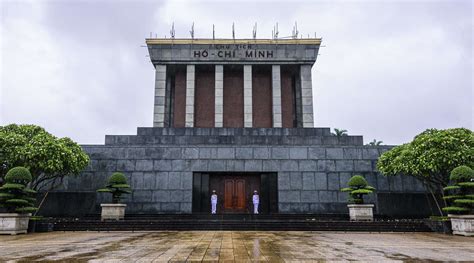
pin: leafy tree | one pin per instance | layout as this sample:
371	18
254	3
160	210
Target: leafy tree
358	187
48	158
375	143
430	157
15	196
117	186
339	132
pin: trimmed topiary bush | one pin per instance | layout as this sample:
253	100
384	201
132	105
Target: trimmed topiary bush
358	187
15	196
117	186
460	196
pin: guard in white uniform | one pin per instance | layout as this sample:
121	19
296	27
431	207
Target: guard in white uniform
256	201
214	202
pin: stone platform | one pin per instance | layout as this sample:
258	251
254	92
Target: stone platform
310	163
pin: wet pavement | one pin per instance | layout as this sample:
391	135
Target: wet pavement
282	246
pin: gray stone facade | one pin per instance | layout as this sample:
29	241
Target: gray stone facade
311	165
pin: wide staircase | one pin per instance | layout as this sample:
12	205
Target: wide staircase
275	222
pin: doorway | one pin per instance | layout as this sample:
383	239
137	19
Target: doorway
234	192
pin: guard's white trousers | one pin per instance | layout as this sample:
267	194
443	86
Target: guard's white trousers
214	208
255	208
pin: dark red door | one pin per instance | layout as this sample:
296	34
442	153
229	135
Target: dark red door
234	195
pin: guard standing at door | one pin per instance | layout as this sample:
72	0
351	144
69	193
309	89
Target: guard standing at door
256	201
214	202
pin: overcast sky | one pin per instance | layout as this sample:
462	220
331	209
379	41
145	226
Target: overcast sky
387	70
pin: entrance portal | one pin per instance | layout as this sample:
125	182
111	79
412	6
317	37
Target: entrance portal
234	192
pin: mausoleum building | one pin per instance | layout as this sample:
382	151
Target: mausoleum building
235	116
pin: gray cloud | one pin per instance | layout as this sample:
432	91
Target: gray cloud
388	70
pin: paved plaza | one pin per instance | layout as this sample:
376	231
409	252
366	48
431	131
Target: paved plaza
234	246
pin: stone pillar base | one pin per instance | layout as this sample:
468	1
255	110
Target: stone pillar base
14	223
113	211
462	225
361	212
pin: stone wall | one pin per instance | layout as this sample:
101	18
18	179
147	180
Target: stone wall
311	164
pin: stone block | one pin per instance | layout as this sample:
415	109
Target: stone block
280	153
299	208
198	165
289	196
261	153
316	153
161	180
382	183
188	196
344	165
161	196
333	181
172	153
352	153
225	153
244	153
137	180
299	153
144	165
154	153
328	196
309	196
284	181
253	165
174	180
176	196
271	165
125	165
362	165
320	181
307	165
296	181
334	153
235	165
216	165
190	153
326	165
179	165
149	180
162	165
370	153
289	165
284	207
141	196
308	181
206	153
395	183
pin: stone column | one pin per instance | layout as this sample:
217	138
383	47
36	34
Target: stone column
248	123
160	91
219	97
190	81
276	94
306	96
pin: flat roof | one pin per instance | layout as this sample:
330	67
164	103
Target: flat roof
207	41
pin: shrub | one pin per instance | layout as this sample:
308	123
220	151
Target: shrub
461	173
460	197
117	186
15	196
358	187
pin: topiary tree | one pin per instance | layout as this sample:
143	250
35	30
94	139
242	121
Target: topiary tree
117	186
461	193
15	196
358	187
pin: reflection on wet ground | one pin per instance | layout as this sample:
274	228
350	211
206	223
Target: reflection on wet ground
279	246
